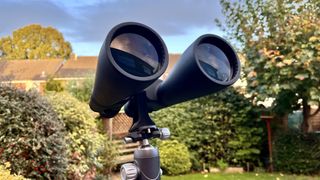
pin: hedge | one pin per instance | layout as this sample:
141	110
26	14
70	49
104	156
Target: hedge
297	152
32	137
222	126
87	143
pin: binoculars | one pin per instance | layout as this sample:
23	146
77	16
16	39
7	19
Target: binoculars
133	57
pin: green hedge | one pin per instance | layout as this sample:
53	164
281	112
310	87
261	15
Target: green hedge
175	157
223	126
81	89
296	152
87	143
32	137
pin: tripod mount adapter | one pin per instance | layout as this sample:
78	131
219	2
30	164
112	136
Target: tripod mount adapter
146	165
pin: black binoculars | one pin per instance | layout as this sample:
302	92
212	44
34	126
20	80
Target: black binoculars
133	57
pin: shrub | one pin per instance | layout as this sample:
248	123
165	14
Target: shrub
81	89
219	126
107	157
175	157
53	85
296	152
5	173
222	164
86	141
31	135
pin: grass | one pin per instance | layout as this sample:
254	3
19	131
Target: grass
243	176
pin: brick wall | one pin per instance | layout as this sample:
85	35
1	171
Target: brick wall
315	121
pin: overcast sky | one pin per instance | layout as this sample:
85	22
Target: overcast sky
85	23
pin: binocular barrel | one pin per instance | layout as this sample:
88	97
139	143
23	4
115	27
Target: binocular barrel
207	66
131	58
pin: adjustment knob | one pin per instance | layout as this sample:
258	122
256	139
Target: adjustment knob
128	140
129	171
164	133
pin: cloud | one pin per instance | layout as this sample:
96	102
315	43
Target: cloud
168	17
18	13
81	21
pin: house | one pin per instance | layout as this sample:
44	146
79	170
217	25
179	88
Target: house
77	68
28	74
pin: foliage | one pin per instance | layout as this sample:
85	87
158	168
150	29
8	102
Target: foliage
175	158
297	153
81	89
222	164
220	126
280	41
34	42
86	142
53	85
5	173
31	135
107	157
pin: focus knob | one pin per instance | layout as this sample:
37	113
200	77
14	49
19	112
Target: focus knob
129	171
164	133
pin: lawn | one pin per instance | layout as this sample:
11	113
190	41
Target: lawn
244	176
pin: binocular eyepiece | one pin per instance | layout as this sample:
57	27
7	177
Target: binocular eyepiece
133	57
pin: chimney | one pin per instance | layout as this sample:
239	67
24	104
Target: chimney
73	56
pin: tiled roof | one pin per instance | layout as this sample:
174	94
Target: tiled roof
82	66
28	69
86	66
173	58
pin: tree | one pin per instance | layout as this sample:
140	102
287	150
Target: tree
34	42
280	40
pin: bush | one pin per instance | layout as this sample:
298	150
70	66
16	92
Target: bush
53	85
31	135
175	157
81	89
220	126
5	173
86	141
222	165
296	152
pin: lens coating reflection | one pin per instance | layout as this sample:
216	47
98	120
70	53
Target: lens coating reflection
135	54
214	62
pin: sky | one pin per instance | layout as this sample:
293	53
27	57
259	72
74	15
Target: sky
85	23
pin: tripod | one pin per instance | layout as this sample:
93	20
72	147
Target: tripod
146	165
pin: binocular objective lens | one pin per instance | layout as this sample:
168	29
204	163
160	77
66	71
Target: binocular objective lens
214	62
135	54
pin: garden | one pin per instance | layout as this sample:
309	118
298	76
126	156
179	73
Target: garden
55	135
